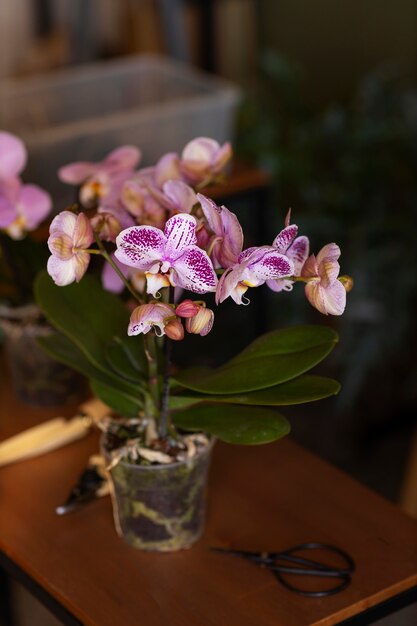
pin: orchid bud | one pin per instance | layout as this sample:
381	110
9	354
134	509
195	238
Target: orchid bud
202	323
174	330
187	308
106	225
347	282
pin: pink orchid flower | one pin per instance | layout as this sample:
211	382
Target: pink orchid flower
13	156
139	202
203	158
147	316
101	181
295	248
227	241
22	207
70	236
176	196
168	257
323	289
254	267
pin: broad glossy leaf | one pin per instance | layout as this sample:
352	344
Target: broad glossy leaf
288	341
255	373
233	424
84	312
118	359
121	403
65	351
297	391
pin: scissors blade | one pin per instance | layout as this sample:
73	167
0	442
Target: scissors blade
92	484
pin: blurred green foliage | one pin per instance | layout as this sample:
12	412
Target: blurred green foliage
349	172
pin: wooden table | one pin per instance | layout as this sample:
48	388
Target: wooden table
269	497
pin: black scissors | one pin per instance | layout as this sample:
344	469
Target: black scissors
291	563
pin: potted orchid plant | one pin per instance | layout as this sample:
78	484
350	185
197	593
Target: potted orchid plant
37	379
164	244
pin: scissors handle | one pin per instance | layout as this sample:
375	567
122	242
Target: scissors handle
302	566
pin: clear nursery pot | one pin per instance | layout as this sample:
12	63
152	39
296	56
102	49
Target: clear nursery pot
160	508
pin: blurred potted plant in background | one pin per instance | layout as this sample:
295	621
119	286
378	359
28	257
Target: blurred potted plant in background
36	378
351	167
158	238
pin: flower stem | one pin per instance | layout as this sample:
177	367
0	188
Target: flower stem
150	352
120	274
164	421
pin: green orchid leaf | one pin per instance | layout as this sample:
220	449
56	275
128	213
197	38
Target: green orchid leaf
234	424
65	351
121	403
255	373
119	360
297	391
85	313
287	341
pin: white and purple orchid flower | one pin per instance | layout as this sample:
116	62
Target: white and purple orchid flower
295	248
101	182
226	242
254	267
22	207
323	289
154	315
70	236
169	257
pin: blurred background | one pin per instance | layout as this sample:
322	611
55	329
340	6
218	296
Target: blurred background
320	101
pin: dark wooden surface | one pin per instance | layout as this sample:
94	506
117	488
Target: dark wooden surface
269	497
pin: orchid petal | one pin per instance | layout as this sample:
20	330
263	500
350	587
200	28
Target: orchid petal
61	246
110	279
167	168
330	252
83	233
7	212
200	149
35	204
13	155
193	271
272	265
181	196
212	214
335	298
328	272
145	316
140	246
222	156
63	272
280	284
230	284
310	268
155	282
315	295
76	173
298	253
63	223
285	238
180	233
232	243
123	158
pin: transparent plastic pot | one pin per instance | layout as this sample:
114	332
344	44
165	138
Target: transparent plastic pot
160	508
37	379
